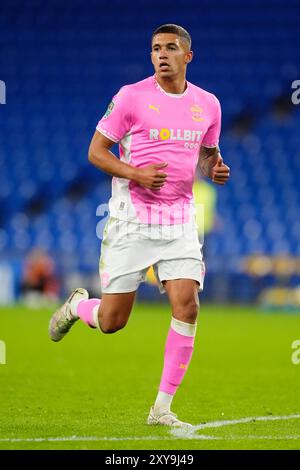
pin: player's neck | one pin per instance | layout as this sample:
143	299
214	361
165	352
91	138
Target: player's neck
172	85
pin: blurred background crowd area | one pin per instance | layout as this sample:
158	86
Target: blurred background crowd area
63	61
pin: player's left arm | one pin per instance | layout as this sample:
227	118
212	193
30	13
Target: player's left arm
212	166
210	160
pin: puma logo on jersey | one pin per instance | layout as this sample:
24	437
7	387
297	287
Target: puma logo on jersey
155	108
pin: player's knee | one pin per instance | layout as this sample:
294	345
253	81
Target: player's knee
187	312
108	330
109	327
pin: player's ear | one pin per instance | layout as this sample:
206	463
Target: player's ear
189	57
151	55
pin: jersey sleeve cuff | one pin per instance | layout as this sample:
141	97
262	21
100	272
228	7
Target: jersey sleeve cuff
210	146
107	134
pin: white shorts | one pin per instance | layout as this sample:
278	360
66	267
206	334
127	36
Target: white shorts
128	250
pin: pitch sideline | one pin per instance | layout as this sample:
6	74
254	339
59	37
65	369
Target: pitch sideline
175	433
191	433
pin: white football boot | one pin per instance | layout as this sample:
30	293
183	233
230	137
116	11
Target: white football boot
166	418
63	319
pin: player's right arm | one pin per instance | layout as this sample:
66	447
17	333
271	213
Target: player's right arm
102	158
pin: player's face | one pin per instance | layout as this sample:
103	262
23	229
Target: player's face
170	55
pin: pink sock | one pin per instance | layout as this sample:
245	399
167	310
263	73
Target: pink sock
86	312
178	353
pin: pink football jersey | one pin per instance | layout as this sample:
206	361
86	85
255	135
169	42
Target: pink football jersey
152	126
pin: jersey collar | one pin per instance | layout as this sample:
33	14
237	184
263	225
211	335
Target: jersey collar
171	95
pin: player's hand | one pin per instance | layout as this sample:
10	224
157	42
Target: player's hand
220	172
151	177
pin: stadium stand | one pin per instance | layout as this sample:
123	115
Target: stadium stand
62	63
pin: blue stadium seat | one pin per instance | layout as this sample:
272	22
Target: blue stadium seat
62	78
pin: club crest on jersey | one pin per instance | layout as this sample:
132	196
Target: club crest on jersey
196	113
109	109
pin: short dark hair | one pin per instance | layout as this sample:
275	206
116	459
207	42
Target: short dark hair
175	29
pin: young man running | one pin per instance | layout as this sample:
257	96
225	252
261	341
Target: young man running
165	127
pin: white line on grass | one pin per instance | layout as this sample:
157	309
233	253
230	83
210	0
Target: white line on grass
80	438
174	433
192	433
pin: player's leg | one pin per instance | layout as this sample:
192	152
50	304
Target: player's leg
183	296
119	253
184	300
109	314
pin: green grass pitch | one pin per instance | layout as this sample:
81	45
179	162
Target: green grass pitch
94	391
